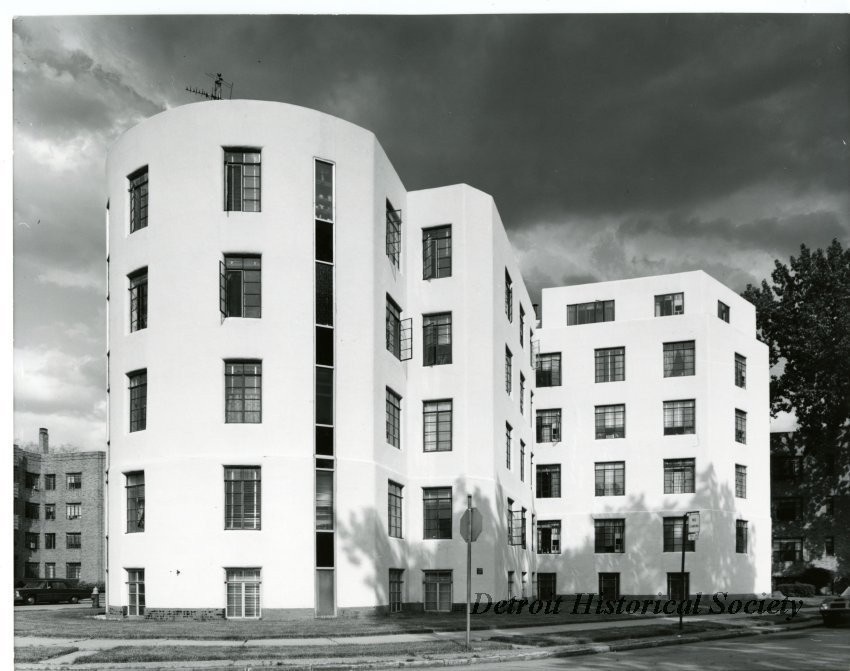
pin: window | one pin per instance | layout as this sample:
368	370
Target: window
786	508
549	370
393	234
138	199
610	421
50	511
740	481
437	339
136	592
785	468
521	326
679	476
324	187
393	328
138	300
669	304
508	432
31	480
610	478
546	586
50	481
50	570
73	541
787	549
73	570
240	285
549	537
521	394
437	506
740	371
437	588
522	461
740	426
673	535
242	497
741	536
611	364
548	426
138	383
609	586
31	569
393	418
243	392
511	584
679	358
679	417
829	546
135	502
509	297
74	480
436	252
394	499
241	180
509	358
590	313
548	481
31	511
396	581
723	311
31	541
49	541
243	592
678	586
325	520
609	536
437	424
73	511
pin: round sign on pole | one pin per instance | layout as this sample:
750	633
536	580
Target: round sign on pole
476	525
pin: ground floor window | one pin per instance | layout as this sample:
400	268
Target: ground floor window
50	570
609	586
31	570
546	587
136	591
396	583
72	570
438	590
243	592
678	589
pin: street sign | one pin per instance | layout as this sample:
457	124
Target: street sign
693	526
476	525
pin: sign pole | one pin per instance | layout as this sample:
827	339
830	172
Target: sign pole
468	566
684	540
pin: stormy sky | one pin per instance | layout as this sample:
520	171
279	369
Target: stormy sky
615	146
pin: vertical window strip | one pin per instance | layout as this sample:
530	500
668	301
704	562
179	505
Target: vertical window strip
393	418
437	426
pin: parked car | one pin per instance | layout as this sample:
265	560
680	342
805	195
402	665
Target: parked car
837	609
50	591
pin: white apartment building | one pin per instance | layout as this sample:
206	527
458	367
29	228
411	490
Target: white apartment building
651	401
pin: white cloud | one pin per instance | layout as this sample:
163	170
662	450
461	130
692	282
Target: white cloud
77	279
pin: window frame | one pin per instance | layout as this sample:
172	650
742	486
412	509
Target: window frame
609	478
238	396
393	418
135	592
740	481
437	326
134	484
434	414
231	178
605	532
548	370
547	422
609	364
674	531
73	540
137	386
614	429
601	311
684	367
554	540
436	256
741	537
243	504
437	511
137	286
684	468
393	235
666	304
740	371
723	311
395	510
680	417
547	481
248	286
246	576
740	426
138	188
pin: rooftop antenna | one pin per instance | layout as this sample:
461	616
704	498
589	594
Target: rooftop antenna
218	82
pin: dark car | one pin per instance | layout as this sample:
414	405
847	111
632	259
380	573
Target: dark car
50	591
836	610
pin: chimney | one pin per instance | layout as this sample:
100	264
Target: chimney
43	441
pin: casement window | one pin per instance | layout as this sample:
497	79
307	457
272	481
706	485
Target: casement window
610	421
73	511
243	392
138	384
135	592
138	187
549	537
31	541
508	431
437	339
679	358
723	311
240	285
31	511
396	585
673	536
549	370
522	461
138	287
393	234
590	313
786	508
50	511
679	417
73	540
549	426
324	207
521	326
610	364
521	394
393	328
73	480
679	476
787	549
31	569
242	497
609	586
509	359
785	469
241	179
669	304
609	536
394	501
73	570
548	481
436	252
437	425
50	481
740	481
740	426
509	297
49	543
325	518
31	480
50	570
547	586
610	478
243	593
135	501
678	588
393	418
437	508
741	536
740	371
437	591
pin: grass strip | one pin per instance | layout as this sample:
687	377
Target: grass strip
38	653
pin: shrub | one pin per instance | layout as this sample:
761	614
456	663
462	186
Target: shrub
819	577
797	589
